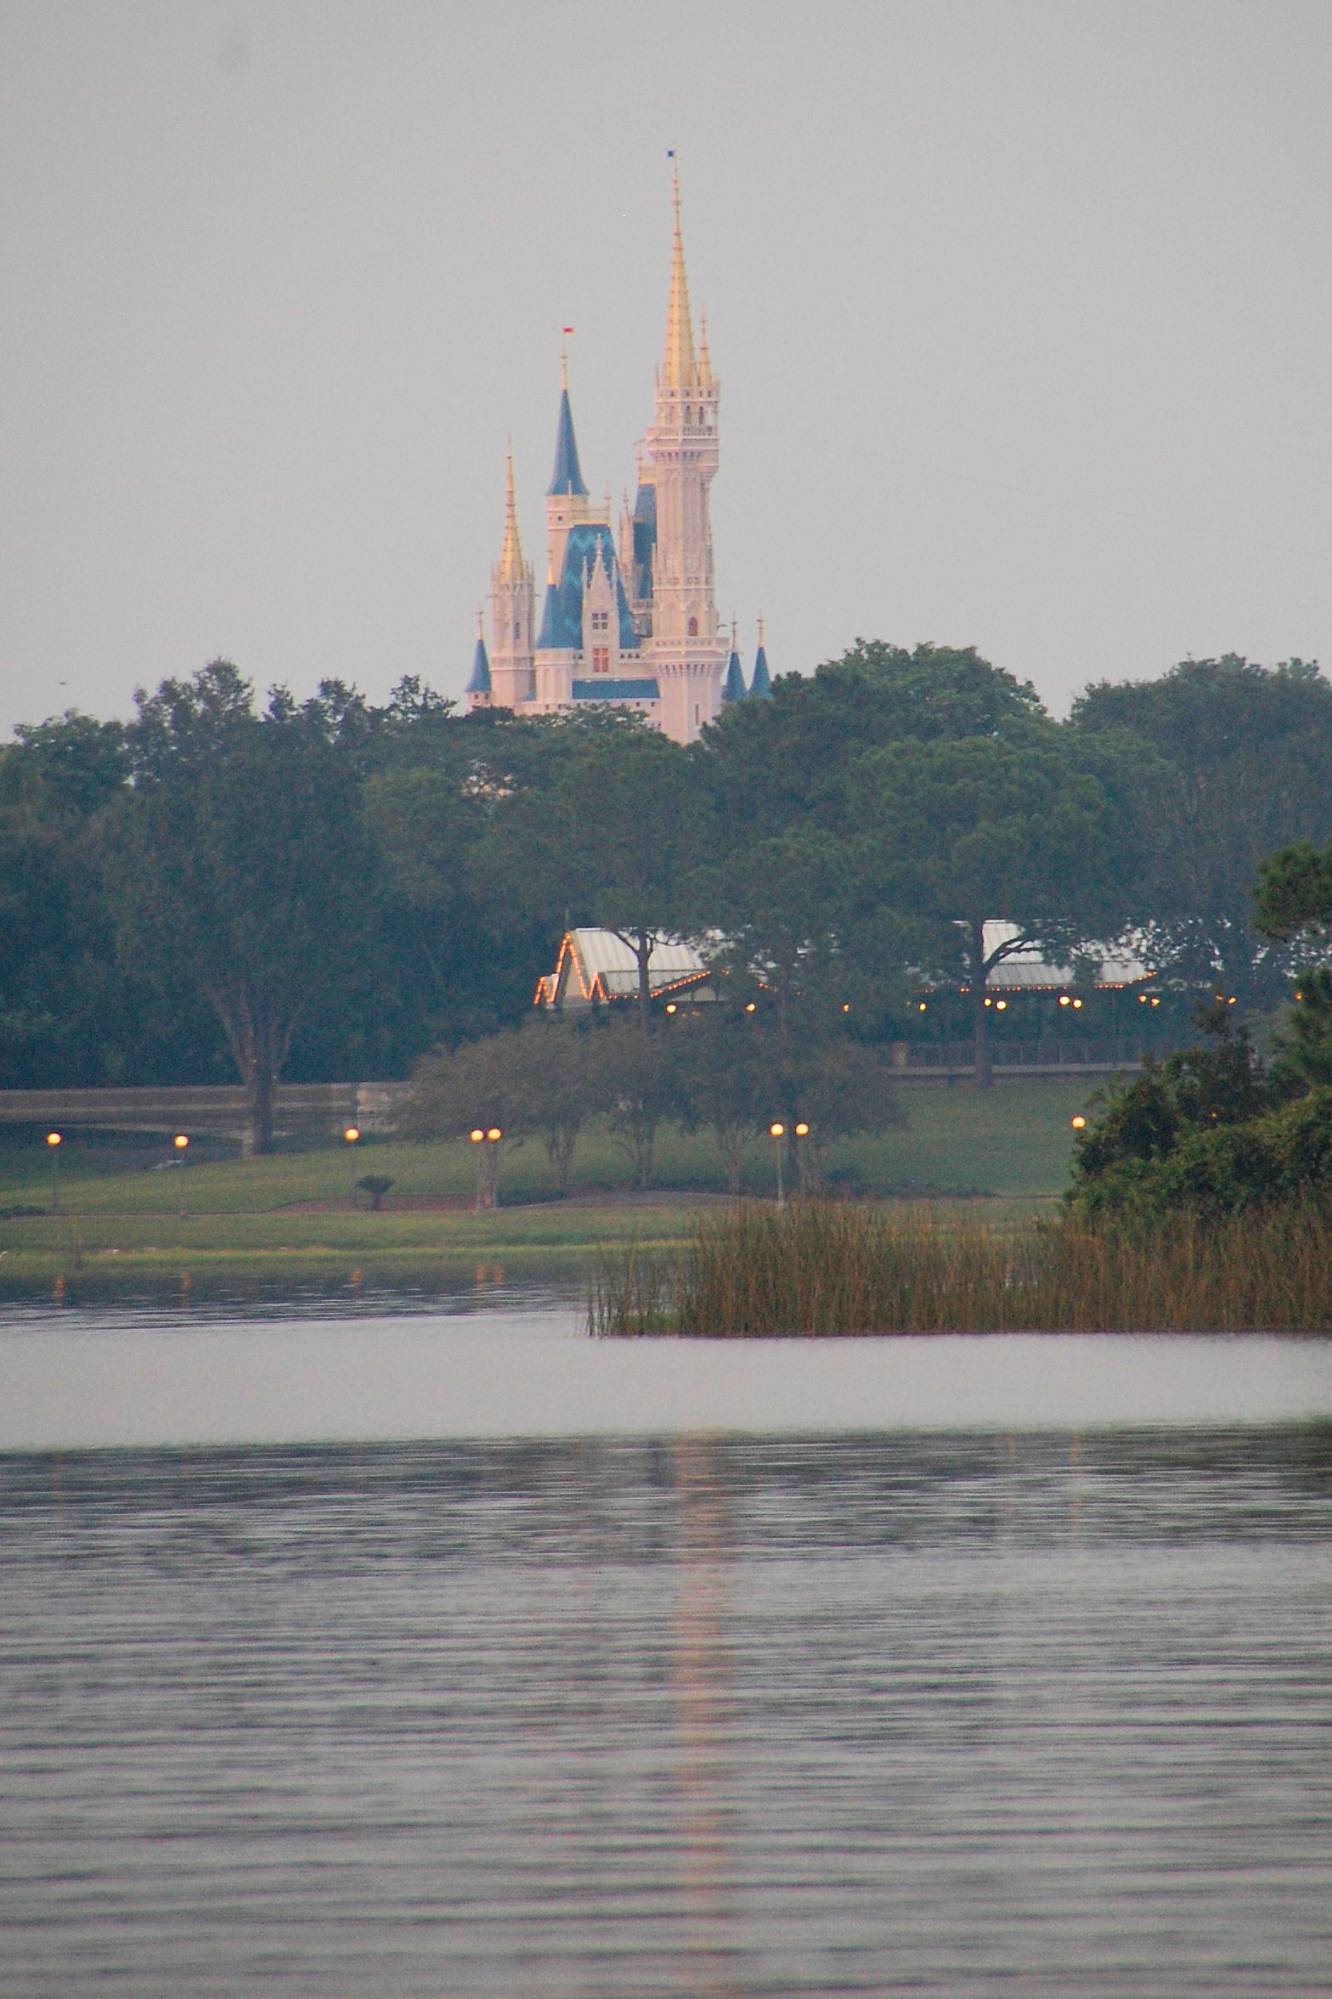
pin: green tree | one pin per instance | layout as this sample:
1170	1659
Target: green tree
773	764
737	1074
958	833
1302	1045
1235	763
722	1060
776	910
839	1088
610	842
1294	891
71	1013
541	1079
239	862
637	1084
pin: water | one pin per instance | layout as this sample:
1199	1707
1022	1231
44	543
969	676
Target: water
1006	1675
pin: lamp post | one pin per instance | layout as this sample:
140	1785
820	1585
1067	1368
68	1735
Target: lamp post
800	1131
777	1132
54	1141
182	1145
486	1139
351	1133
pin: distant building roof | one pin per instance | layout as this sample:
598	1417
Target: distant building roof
733	687
760	687
1028	970
597	967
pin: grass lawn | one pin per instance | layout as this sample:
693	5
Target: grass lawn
292	1213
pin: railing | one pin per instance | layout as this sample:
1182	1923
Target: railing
218	1108
1106	1056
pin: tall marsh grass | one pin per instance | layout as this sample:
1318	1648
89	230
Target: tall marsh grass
820	1268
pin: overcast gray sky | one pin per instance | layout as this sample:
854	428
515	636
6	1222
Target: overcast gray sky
1020	307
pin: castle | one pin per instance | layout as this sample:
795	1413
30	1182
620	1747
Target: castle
631	622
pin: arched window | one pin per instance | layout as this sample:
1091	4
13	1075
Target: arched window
693	628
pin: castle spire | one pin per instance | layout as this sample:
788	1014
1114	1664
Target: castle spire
678	368
760	686
479	684
567	477
733	687
511	566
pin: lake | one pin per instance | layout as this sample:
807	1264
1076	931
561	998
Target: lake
444	1651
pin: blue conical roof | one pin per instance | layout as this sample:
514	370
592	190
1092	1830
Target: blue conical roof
760	687
480	680
567	476
733	687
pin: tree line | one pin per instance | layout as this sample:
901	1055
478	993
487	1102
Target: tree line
331	888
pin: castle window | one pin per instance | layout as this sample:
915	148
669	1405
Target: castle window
600	621
693	628
515	630
601	659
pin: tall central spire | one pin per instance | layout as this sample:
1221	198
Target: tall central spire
678	368
511	556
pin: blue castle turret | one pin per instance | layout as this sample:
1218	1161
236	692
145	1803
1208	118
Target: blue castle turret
733	687
478	687
568	474
760	686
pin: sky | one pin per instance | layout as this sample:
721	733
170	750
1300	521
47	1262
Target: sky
1020	310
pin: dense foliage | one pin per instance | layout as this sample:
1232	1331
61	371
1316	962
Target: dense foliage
1214	1132
325	889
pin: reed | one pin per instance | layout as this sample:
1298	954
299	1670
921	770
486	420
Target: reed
826	1269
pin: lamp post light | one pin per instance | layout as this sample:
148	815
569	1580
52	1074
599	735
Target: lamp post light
54	1141
182	1145
486	1139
